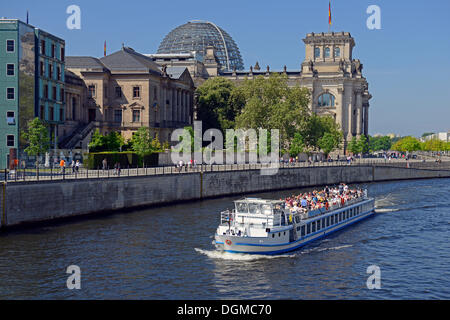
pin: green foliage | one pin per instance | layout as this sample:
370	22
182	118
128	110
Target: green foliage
407	144
352	146
316	128
37	137
435	145
363	144
111	142
272	104
379	143
219	102
142	142
328	143
297	146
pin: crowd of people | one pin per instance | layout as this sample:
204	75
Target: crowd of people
322	199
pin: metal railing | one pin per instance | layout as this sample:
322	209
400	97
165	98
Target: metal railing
71	174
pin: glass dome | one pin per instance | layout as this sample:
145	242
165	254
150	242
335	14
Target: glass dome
196	36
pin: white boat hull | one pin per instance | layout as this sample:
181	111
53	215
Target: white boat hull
280	243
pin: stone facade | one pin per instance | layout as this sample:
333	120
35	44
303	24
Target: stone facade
333	77
125	91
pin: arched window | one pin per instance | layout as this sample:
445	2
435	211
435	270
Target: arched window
327	52
337	52
316	52
326	100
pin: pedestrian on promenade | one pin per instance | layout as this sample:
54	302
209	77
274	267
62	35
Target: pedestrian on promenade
117	168
77	166
62	164
72	165
105	164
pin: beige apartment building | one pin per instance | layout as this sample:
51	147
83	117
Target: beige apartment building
123	92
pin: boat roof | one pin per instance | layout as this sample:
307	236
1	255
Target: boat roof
259	200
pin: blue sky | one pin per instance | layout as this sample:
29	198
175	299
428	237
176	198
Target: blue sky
407	62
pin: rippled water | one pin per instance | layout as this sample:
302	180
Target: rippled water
167	253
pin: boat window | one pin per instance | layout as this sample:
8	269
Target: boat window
308	228
297	219
273	235
328	221
313	227
242	207
254	208
336	218
266	209
302	233
318	225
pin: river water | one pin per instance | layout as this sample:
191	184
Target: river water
167	253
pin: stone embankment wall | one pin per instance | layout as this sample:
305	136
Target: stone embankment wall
27	202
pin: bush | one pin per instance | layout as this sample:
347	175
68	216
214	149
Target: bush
126	159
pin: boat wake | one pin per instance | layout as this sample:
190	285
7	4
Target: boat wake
216	254
383	210
325	249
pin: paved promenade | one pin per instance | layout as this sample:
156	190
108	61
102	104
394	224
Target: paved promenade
47	175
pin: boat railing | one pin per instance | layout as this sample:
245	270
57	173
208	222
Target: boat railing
227	217
332	207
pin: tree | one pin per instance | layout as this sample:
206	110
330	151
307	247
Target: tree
363	145
315	129
407	144
297	146
271	104
37	137
111	142
379	143
353	146
328	143
142	142
219	102
434	145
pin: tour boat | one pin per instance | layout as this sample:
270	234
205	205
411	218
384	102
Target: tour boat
258	226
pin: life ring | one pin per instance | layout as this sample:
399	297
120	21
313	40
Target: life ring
228	242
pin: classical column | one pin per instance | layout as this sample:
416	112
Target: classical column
348	94
366	119
340	109
359	113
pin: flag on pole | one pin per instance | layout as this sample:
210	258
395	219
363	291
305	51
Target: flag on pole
329	13
105	49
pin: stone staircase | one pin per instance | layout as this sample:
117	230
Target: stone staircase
78	135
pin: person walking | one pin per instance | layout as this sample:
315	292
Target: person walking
77	166
62	165
72	165
105	164
117	168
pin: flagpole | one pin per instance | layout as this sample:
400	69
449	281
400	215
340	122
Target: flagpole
329	16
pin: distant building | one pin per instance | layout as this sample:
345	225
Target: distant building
123	92
334	78
443	136
32	84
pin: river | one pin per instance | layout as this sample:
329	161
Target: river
167	253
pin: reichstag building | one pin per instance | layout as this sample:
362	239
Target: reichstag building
330	72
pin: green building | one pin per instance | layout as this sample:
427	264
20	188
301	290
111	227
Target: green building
31	82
